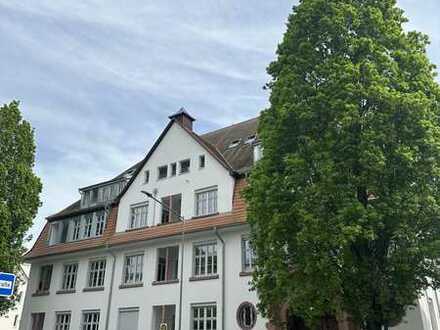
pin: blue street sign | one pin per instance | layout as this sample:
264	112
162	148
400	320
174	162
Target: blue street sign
6	284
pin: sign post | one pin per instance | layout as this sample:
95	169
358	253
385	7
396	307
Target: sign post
7	282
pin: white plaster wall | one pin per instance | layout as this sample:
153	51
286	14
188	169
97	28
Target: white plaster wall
177	145
208	291
75	302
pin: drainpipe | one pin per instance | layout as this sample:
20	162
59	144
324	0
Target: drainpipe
110	293
223	275
107	210
181	276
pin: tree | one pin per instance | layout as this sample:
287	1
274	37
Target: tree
19	189
344	206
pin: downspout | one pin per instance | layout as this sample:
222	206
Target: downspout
112	276
110	292
181	275
223	276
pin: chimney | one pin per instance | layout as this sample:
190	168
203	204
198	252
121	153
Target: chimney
183	118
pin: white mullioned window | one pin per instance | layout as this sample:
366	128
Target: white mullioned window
204	317
62	321
206	201
88	223
69	276
139	216
90	320
96	273
133	269
76	234
248	255
205	259
100	223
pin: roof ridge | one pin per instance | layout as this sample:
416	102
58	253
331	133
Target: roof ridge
230	126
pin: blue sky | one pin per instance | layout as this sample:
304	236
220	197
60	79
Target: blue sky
97	79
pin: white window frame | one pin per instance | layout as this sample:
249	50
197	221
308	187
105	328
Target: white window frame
138	222
88	227
158	172
167	262
62	320
100	223
99	270
203	317
202	161
180	166
247	255
209	266
76	228
146	176
133	273
210	197
70	274
91	323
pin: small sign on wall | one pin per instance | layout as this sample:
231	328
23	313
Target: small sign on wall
7	282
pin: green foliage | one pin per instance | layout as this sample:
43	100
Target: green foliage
344	206
19	189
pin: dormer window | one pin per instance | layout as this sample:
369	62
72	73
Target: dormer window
162	172
234	144
184	166
251	139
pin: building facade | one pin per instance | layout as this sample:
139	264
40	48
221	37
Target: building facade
163	245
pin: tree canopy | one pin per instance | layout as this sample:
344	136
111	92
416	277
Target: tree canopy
344	206
19	189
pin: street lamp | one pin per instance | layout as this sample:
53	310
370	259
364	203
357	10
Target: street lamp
150	195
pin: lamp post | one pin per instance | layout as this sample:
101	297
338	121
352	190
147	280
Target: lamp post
150	195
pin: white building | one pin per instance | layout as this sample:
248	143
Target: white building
178	259
11	320
118	259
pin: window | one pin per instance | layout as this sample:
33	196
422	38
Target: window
100	223
173	169
146	177
206	202
205	259
90	320
171	208
248	255
202	161
88	223
37	321
133	269
139	215
45	277
69	276
96	273
258	152
184	166
234	144
62	321
76	234
167	264
246	316
128	319
162	172
204	317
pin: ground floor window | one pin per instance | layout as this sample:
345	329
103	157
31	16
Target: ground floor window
37	320
128	319
246	316
204	317
90	320
62	321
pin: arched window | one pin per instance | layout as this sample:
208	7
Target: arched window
246	316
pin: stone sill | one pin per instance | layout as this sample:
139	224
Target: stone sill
165	282
93	289
203	278
129	286
243	274
40	294
66	291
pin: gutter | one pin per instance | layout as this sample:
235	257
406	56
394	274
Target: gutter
223	276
